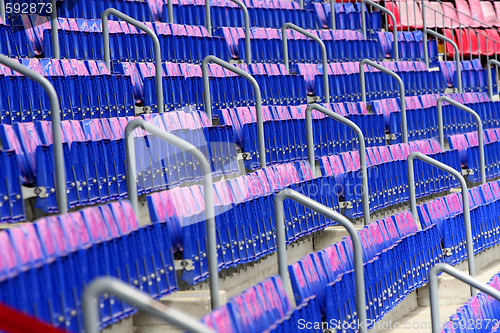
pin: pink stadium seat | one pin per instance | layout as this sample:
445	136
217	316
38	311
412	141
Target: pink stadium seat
493	34
476	10
490	16
410	14
465	15
451	17
433	14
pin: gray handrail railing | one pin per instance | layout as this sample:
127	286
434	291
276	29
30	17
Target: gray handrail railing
54	30
324	56
207	186
170	7
258	99
402	97
479	123
434	289
2	11
156	44
465	201
248	52
488	73
55	115
362	151
333	26
321	209
134	297
458	71
388	12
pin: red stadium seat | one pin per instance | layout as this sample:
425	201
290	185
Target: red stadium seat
462	40
451	17
449	48
486	45
493	34
410	14
465	15
394	9
490	16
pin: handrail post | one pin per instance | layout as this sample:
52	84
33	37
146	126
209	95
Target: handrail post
54	30
61	195
402	96
479	123
424	27
361	148
258	99
156	44
170	7
332	13
488	73
465	201
208	17
134	297
247	29
2	11
306	33
388	12
359	278
207	186
434	295
458	71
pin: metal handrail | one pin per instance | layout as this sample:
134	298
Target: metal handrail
137	298
388	12
488	73
258	99
247	30
404	125
53	29
332	13
55	115
465	201
359	278
458	71
323	53
362	151
156	44
434	295
207	186
2	11
170	6
479	123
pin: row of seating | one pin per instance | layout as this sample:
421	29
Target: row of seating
47	264
474	76
347	16
387	175
85	89
341	45
224	15
468	146
479	314
397	257
422	117
410	46
285	131
138	9
447	214
472	42
244	216
344	81
264	307
178	43
184	89
94	153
